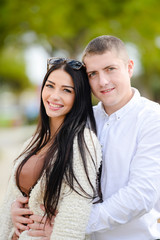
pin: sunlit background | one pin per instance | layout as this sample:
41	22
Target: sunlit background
32	31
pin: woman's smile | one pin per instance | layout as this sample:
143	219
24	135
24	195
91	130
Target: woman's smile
55	106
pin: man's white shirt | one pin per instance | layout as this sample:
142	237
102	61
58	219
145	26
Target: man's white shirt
130	140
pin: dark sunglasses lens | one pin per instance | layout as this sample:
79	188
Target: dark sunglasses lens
54	61
75	64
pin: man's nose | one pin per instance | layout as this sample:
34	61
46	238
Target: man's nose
103	79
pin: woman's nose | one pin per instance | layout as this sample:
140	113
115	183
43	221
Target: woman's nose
55	95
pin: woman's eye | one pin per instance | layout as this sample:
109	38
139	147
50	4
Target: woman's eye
67	90
49	85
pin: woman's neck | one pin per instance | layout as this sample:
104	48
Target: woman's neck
55	125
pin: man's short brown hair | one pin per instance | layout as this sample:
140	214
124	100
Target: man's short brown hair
104	43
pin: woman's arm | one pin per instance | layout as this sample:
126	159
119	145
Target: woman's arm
6	226
74	209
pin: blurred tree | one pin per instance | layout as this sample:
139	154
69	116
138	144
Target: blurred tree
12	70
71	24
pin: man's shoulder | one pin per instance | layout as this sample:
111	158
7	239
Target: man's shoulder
97	108
143	104
150	106
148	113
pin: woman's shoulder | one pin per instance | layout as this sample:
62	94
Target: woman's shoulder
90	136
93	145
92	149
25	144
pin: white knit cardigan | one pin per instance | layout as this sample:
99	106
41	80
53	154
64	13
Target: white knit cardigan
73	209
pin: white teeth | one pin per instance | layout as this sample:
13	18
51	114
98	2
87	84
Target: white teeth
108	90
54	105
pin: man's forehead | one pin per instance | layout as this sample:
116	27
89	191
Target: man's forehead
97	61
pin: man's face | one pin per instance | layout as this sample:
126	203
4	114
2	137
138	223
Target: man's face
109	78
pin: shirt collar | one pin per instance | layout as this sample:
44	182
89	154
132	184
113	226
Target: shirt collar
122	111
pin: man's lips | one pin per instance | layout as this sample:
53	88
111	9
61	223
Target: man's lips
107	90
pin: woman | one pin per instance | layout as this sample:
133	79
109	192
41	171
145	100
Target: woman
58	166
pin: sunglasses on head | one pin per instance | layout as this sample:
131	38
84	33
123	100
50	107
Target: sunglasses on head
74	64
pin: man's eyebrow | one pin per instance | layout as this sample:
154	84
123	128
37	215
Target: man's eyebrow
107	66
111	65
92	71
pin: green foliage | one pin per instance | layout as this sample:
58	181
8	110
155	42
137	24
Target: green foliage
12	70
71	24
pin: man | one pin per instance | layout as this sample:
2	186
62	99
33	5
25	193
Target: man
128	127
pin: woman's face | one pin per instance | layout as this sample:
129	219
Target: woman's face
58	96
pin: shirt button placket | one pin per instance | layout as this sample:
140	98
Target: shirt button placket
104	132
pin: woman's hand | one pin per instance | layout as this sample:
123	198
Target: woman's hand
23	219
41	227
15	237
20	215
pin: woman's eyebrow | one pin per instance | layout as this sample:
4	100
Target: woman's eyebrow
67	86
62	85
50	81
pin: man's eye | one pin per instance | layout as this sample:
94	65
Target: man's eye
111	68
92	74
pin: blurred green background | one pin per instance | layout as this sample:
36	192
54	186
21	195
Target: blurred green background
32	31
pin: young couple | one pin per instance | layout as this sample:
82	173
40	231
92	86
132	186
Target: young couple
67	197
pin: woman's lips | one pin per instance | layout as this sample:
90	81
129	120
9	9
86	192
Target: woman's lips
55	106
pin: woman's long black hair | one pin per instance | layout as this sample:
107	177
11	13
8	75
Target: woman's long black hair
58	162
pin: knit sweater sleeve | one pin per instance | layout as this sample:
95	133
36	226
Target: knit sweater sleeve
6	226
74	209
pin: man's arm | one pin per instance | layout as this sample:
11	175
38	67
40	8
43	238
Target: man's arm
142	190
